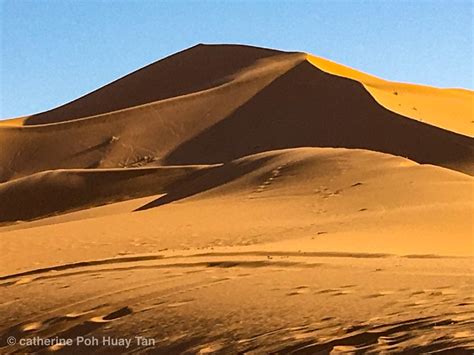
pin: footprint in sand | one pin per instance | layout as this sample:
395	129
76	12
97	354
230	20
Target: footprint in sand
31	327
440	291
327	290
75	315
299	290
122	312
275	173
464	304
380	294
211	348
344	290
56	347
24	280
340	291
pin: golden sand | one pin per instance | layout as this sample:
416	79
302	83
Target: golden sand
233	199
451	109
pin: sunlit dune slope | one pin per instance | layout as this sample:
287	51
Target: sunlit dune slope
308	107
15	122
133	136
176	75
318	199
240	301
140	209
197	68
451	109
265	100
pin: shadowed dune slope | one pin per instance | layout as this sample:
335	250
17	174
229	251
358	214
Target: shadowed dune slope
134	136
211	104
308	107
451	109
300	227
195	69
321	199
59	191
162	203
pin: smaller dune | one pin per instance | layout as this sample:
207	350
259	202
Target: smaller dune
53	192
316	199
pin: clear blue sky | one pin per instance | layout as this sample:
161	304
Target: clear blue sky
53	51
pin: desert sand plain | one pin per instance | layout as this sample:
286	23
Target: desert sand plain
233	199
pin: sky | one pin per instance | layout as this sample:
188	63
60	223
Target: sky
53	51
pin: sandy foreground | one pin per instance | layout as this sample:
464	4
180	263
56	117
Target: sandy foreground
225	216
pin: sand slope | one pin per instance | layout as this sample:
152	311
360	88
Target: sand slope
58	191
344	254
180	74
451	109
265	100
256	303
334	199
132	136
232	199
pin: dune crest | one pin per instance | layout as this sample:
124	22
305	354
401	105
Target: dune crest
451	109
13	122
252	100
163	203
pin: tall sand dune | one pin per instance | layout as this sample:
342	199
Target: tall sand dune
231	199
180	74
254	100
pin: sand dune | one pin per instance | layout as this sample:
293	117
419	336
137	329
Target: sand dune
232	199
177	75
320	198
59	191
259	103
451	109
132	136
